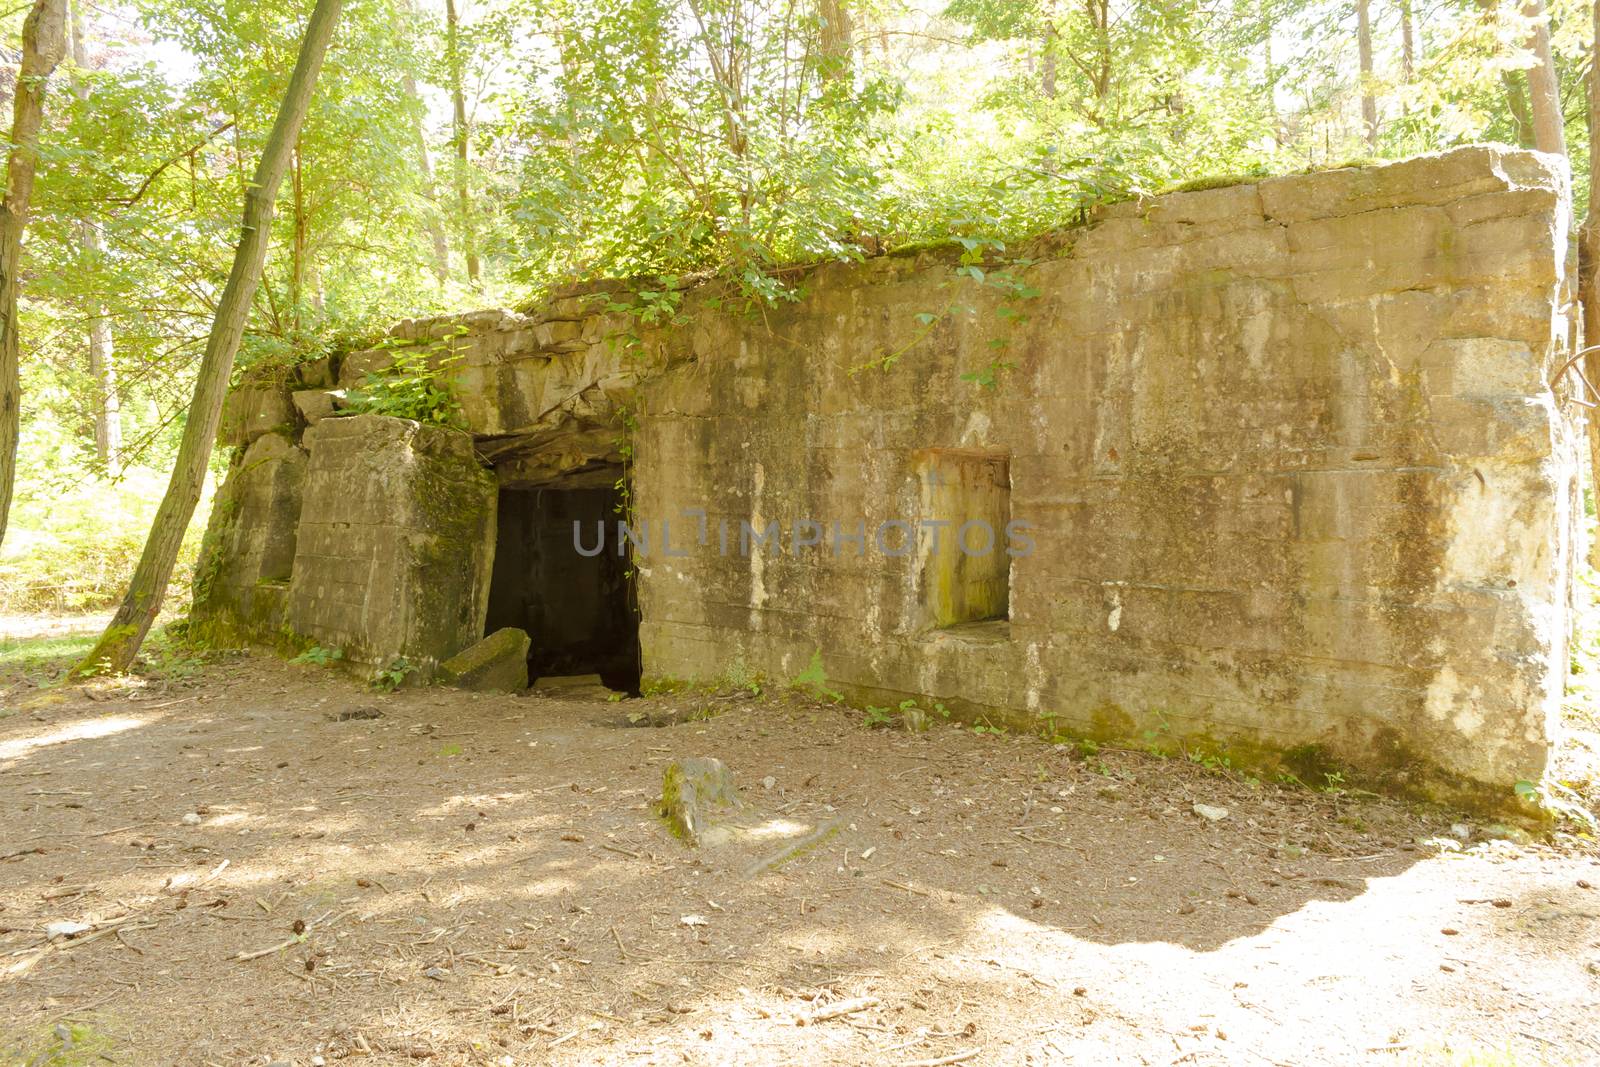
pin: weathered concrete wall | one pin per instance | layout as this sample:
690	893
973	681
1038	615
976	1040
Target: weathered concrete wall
241	586
395	541
1297	486
541	392
1296	480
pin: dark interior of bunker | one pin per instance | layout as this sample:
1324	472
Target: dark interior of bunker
578	610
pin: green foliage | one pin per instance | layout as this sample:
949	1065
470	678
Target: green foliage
738	675
418	386
723	144
392	675
62	1044
42	659
169	654
317	656
815	678
72	544
1560	800
876	717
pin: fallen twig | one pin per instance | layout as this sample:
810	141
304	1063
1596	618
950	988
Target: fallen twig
837	1010
618	938
245	957
100	930
795	848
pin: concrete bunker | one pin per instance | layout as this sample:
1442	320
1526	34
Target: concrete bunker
1296	472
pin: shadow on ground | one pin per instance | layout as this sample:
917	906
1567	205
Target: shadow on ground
484	880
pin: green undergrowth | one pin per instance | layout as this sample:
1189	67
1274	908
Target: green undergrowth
167	655
40	660
69	1043
73	547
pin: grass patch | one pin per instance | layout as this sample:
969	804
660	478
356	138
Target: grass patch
73	547
63	1044
43	658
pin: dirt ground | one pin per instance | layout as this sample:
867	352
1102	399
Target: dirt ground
263	878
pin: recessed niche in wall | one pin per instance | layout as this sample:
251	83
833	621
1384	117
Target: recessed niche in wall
961	538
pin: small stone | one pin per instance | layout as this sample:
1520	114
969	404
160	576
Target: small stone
1461	831
64	928
1211	812
351	715
191	819
768	782
693	792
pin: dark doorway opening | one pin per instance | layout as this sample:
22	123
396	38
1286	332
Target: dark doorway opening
580	611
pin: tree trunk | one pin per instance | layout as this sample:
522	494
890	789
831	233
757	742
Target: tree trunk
1543	92
436	237
102	357
1048	61
43	42
1270	71
1369	103
837	33
469	243
1408	42
1589	275
299	243
1517	104
1516	98
118	646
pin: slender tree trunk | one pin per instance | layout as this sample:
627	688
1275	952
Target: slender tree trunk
436	237
1517	104
118	646
460	136
1516	97
1048	60
1589	271
1270	71
1543	91
1408	42
1369	103
44	39
102	357
837	35
298	242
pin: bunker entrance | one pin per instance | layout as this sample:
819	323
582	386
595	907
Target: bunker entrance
579	610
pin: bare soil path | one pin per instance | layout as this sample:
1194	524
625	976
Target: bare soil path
262	877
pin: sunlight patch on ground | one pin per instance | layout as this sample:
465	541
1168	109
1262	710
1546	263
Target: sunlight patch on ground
776	828
78	731
464	802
